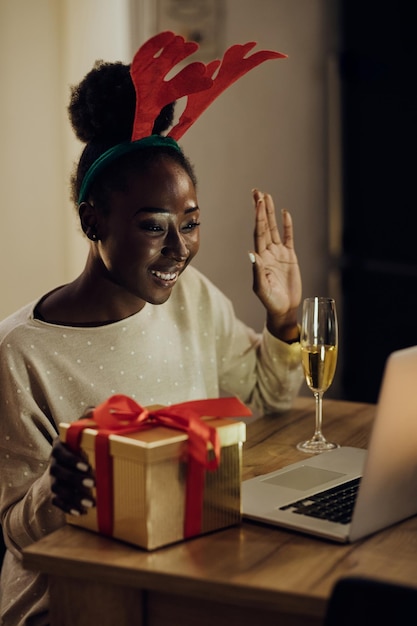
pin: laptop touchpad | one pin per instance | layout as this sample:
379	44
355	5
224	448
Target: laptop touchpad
303	478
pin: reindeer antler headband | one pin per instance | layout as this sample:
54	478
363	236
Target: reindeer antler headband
152	62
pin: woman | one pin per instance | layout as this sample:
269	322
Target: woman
139	320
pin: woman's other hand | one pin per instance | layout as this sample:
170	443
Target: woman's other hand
72	480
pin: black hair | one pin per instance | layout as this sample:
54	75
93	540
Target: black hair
101	111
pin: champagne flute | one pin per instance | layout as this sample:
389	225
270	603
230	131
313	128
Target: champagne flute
319	344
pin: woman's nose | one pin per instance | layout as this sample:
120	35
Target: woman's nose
175	247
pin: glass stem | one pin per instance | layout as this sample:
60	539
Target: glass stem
319	414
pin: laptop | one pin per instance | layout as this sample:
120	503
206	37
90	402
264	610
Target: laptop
386	474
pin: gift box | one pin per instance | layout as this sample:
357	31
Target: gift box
163	474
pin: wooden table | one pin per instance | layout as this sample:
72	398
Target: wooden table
246	575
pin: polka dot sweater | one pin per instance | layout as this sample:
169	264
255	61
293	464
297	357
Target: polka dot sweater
191	347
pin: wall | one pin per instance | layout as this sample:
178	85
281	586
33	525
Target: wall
268	130
45	46
32	241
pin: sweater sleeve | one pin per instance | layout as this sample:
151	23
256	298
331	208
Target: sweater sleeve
278	374
263	371
26	436
260	369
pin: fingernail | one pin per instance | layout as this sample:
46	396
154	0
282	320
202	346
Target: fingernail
75	512
87	503
83	467
88	482
252	257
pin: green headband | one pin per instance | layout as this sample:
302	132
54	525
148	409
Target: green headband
118	151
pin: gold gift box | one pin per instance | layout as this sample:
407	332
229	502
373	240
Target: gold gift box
149	478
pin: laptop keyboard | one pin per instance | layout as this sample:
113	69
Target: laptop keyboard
335	504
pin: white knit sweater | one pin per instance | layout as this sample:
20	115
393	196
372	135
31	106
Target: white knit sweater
188	348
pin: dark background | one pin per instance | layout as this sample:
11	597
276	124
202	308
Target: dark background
378	265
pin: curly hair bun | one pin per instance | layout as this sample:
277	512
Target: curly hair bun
102	106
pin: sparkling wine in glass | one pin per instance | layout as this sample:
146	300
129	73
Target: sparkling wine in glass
319	344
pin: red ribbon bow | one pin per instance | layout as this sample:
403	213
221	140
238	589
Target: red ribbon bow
122	415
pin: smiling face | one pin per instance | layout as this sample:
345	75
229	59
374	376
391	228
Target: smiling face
148	235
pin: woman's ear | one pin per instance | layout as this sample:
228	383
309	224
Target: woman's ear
88	220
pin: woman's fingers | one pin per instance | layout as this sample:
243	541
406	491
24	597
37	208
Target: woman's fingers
72	480
287	229
262	238
266	227
66	458
73	503
271	219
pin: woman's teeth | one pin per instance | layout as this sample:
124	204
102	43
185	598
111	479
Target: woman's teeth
164	275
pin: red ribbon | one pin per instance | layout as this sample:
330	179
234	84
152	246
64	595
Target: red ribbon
122	415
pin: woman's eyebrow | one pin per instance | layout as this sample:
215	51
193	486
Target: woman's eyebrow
153	209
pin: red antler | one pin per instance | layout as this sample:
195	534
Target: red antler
162	53
233	66
149	68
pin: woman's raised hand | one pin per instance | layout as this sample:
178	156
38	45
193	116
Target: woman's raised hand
276	273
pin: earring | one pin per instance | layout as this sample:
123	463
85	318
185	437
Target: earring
91	234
